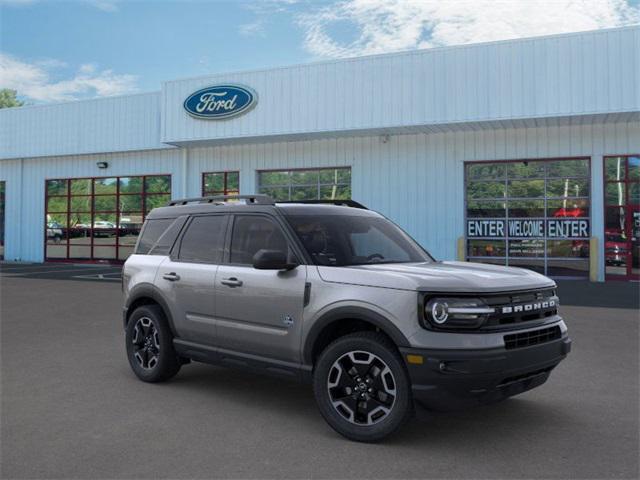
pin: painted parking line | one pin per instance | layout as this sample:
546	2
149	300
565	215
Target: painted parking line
39	272
104	277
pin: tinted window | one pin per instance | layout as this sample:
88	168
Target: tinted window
168	238
343	240
151	233
204	239
253	233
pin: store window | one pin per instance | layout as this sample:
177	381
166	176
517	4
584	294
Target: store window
316	184
2	187
220	183
99	219
532	214
622	217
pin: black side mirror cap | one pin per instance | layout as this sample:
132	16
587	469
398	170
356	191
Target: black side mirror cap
272	260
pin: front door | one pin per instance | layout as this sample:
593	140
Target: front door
187	279
622	217
259	311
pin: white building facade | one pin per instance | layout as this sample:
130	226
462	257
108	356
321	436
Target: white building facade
523	152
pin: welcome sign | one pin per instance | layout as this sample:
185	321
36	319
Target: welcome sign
220	102
528	228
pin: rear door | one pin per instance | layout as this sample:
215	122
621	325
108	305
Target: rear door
187	278
259	311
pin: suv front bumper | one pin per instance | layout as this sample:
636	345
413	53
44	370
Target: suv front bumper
453	379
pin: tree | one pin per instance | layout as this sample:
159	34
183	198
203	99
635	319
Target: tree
8	98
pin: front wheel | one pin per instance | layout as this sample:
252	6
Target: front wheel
150	345
362	387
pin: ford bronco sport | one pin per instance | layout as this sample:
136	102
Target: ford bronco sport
337	295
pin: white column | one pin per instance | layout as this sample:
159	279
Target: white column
597	210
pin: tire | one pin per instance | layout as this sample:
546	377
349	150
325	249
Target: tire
149	345
379	383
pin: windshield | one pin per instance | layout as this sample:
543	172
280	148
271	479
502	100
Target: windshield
345	240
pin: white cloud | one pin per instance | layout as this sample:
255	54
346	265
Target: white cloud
104	5
252	28
390	25
34	80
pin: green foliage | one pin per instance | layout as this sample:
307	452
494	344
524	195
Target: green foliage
8	98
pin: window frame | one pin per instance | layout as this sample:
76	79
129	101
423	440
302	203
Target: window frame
318	185
226	190
174	253
629	276
3	215
505	178
292	241
92	213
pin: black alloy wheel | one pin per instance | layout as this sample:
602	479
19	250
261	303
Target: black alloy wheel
362	387
149	345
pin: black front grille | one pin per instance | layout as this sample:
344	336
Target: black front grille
514	300
533	337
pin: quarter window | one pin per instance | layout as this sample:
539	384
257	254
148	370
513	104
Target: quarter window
203	242
316	184
152	231
533	214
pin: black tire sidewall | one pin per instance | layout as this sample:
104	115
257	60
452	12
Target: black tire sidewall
168	364
380	346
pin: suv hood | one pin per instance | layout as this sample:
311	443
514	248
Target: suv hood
437	276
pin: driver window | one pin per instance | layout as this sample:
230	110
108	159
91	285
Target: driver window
252	233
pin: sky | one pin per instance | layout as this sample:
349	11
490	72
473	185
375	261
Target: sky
54	50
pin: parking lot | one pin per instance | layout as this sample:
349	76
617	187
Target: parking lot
71	407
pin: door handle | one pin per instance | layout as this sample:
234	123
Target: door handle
231	282
172	277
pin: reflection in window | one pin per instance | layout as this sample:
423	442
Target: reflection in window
100	219
486	248
615	193
525	208
220	183
521	195
2	188
316	184
485	209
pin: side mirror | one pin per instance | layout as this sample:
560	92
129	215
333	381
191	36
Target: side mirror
272	260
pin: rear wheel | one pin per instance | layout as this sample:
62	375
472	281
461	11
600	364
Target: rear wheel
150	345
362	387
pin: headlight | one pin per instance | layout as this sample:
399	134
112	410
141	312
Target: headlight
456	312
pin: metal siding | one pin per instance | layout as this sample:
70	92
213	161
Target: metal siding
557	76
92	126
25	196
417	179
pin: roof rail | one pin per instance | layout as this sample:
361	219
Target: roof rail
342	203
219	199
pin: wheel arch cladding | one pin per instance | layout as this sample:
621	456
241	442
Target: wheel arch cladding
148	295
345	320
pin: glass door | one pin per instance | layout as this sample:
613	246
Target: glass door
622	217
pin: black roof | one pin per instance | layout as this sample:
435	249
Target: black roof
257	203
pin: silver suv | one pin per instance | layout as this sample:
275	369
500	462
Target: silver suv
339	296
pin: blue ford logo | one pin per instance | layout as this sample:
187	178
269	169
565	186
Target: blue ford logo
220	101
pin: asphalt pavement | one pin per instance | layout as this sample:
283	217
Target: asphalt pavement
71	407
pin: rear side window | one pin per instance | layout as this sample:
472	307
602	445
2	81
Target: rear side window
253	233
151	232
168	238
203	241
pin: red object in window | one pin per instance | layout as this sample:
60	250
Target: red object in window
569	212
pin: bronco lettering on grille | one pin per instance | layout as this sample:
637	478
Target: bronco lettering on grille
529	307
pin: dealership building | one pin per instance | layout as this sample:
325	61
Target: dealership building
522	152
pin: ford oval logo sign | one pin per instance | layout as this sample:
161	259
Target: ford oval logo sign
220	102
